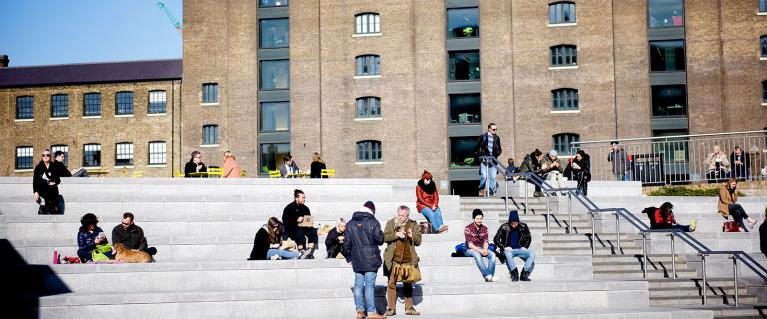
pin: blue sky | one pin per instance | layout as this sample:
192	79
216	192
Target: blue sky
39	32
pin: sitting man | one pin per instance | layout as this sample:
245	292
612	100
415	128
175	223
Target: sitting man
288	167
478	246
663	218
292	215
334	242
553	168
513	240
131	236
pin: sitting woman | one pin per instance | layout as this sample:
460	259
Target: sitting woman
728	196
271	242
580	171
87	237
428	202
663	218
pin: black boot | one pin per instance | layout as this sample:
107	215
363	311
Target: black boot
525	276
515	275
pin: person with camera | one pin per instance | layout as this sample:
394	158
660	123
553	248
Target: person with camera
401	235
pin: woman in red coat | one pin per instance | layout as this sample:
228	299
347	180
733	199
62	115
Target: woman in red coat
428	202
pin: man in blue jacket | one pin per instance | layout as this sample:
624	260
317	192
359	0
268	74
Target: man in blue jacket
363	236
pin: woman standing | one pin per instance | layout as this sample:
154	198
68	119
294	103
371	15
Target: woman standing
428	202
271	243
231	168
581	170
317	166
87	237
401	235
728	196
45	185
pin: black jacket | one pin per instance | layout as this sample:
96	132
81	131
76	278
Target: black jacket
191	167
763	238
583	173
62	170
260	245
363	236
290	216
316	169
39	184
503	235
131	238
332	245
481	148
530	165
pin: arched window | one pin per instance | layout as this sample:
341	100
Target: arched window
25	107
564	55
369	151
564	99
157	153
368	65
561	12
367	23
210	134
563	143
123	154
124	103
369	106
157	102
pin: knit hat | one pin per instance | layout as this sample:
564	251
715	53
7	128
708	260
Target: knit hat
426	175
553	153
371	206
513	216
477	212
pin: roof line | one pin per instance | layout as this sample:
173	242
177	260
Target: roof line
87	63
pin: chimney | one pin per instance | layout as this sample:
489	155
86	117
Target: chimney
4	61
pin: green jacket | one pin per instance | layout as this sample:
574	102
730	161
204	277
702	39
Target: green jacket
390	238
547	162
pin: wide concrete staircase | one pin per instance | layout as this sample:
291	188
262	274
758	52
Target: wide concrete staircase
204	230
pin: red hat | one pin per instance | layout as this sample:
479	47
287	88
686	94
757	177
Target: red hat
426	175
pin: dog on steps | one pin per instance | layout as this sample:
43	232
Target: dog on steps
131	255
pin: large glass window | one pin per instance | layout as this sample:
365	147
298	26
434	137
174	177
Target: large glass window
275	33
157	153
368	65
463	65
124	154
762	5
24	157
59	105
273	3
465	108
367	23
157	102
272	154
665	13
210	93
25	108
62	148
561	12
463	23
669	100
210	134
763	45
368	151
564	99
564	55
92	104
124	103
275	75
462	152
275	116
563	143
369	106
667	55
764	91
91	155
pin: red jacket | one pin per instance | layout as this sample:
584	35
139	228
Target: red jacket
659	218
425	199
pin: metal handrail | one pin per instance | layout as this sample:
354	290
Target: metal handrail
577	144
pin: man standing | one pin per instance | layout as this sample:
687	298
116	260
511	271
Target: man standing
488	145
401	235
131	236
619	159
334	242
195	165
741	163
363	236
513	240
292	215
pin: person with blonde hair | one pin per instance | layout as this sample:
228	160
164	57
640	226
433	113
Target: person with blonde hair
231	168
317	166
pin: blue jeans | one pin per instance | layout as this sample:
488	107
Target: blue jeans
284	254
368	280
434	217
488	270
483	171
526	254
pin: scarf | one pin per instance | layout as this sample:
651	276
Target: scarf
429	189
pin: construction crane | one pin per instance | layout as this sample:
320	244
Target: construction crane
161	4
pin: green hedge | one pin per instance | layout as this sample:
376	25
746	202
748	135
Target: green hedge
686	191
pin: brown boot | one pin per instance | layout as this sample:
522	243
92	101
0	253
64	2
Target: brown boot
391	302
360	314
409	309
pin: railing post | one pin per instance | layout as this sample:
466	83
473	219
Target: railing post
593	236
618	231
487	177
569	213
548	212
644	254
673	256
506	199
704	289
735	277
526	186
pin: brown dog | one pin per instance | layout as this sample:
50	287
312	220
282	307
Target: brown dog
131	255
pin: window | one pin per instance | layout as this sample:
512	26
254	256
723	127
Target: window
564	99
124	103
669	100
59	105
24	157
665	13
368	107
763	45
367	23
157	155
210	134
561	12
25	108
64	149
762	5
463	66
563	143
124	154
210	93
463	23
92	104
764	91
275	33
272	3
272	154
158	102
369	151
462	152
275	75
275	116
368	65
667	55
564	55
465	108
92	155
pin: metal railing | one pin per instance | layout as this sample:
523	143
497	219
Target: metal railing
679	159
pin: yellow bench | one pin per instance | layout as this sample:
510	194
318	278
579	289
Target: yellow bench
178	173
215	172
138	174
243	173
274	174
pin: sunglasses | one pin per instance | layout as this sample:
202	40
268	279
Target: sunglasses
46	155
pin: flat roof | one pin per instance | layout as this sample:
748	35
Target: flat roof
86	73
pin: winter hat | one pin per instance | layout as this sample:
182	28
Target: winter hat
477	212
426	175
553	153
371	206
513	216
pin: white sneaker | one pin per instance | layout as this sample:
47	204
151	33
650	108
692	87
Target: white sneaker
275	257
488	278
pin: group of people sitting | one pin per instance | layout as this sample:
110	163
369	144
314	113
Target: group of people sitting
720	167
512	239
230	167
93	245
289	168
552	168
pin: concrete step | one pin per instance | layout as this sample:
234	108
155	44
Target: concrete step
719	291
679	301
742	311
587	251
637	274
637	258
713	283
635	265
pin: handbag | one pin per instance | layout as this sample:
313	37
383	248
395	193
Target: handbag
730	227
426	228
406	273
